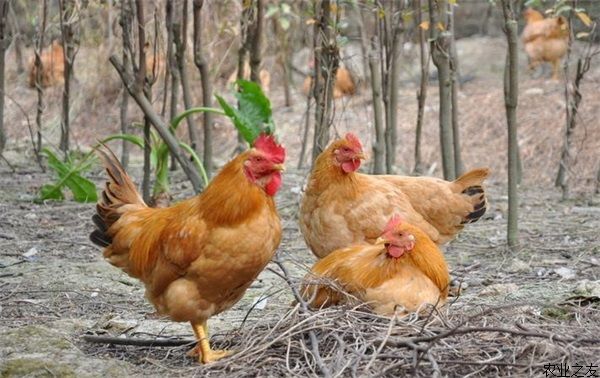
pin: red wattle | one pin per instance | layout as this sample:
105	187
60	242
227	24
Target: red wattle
395	251
274	184
351	165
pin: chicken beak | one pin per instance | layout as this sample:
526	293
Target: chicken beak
380	240
279	167
361	155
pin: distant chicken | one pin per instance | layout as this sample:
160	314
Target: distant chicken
344	84
53	67
545	39
264	77
403	271
198	257
341	207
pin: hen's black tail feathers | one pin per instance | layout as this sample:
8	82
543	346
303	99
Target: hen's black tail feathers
480	206
471	185
118	191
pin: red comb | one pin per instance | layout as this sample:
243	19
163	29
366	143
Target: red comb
353	139
268	145
394	222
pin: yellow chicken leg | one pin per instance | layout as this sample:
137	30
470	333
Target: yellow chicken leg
203	350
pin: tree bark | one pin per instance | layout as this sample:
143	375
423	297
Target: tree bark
391	129
172	70
18	40
455	76
306	128
245	31
283	58
202	65
326	64
379	145
4	42
38	78
67	10
126	22
180	39
143	87
422	92
573	101
511	92
364	40
256	42
440	53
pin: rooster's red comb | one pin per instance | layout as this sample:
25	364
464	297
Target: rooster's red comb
394	222
268	145
354	141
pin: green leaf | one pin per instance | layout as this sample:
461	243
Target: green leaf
244	125
83	189
254	115
51	192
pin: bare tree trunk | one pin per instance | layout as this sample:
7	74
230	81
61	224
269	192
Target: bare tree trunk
109	26
172	70
485	23
455	75
391	129
142	86
306	128
202	65
38	79
18	40
440	53
379	145
256	42
4	42
283	58
245	31
67	18
573	98
326	65
511	93
126	22
422	92
180	40
364	39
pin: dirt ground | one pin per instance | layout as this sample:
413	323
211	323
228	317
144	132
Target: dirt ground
518	312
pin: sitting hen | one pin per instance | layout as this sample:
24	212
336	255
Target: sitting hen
403	270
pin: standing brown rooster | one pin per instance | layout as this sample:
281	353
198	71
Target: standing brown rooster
342	207
198	257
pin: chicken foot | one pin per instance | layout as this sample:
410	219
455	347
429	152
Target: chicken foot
202	349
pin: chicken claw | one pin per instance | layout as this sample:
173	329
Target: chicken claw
202	350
